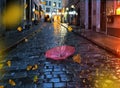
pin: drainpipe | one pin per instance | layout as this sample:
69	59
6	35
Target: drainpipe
97	15
86	14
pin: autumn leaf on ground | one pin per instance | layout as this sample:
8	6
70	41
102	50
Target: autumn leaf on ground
11	82
9	63
19	29
35	67
70	28
29	67
77	58
35	79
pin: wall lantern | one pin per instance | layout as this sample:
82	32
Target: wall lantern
118	11
72	6
67	9
33	9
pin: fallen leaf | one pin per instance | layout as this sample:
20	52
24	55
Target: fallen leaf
9	63
35	67
29	67
70	28
35	79
77	58
11	82
19	29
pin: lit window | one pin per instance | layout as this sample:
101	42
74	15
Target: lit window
118	11
54	4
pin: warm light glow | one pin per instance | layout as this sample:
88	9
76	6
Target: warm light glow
33	9
54	4
72	6
44	3
12	15
118	11
67	9
33	19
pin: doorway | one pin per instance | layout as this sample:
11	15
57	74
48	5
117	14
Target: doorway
103	16
89	13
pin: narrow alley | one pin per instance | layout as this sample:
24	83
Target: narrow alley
97	69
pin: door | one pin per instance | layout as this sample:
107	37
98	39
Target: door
103	16
89	13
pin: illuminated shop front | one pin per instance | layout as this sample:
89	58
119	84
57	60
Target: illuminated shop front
113	18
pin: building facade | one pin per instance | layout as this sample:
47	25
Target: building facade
73	9
31	14
101	16
51	7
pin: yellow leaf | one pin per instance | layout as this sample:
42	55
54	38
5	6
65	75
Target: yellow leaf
29	68
77	58
11	82
70	28
19	28
35	67
35	79
2	87
9	63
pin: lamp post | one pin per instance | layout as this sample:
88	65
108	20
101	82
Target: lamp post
67	14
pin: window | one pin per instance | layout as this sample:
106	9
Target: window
46	2
54	4
59	4
47	9
49	3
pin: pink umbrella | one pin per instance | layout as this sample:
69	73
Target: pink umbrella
60	52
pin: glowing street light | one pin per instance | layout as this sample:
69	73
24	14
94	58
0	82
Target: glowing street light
118	11
67	9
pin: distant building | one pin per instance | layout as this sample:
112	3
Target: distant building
51	7
73	11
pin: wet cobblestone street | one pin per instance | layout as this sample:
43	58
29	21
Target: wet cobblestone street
98	68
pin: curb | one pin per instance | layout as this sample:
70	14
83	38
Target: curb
110	50
19	41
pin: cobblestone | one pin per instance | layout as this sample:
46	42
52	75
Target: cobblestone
55	80
96	64
60	85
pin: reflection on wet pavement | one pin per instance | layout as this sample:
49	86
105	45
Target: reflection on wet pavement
98	68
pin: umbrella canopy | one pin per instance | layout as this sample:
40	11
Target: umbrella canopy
60	52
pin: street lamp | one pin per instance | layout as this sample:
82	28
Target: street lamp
72	6
54	4
67	14
72	13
